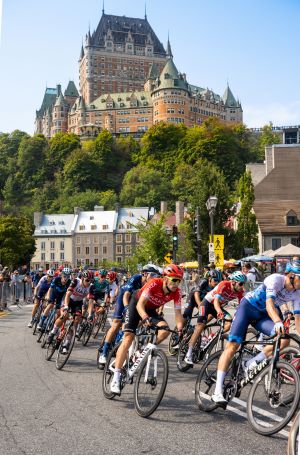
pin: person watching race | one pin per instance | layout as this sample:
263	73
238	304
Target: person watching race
213	303
264	308
142	307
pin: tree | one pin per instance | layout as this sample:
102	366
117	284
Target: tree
266	137
143	186
87	200
31	160
82	171
17	244
154	241
247	226
61	145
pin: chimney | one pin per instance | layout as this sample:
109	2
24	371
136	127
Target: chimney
99	208
77	210
117	206
37	218
179	212
163	207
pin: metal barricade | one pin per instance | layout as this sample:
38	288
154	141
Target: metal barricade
5	294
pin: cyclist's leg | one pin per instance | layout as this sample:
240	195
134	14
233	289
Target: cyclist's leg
36	304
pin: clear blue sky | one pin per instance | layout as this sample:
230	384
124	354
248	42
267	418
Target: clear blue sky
252	44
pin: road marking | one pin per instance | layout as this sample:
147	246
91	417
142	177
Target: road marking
2	315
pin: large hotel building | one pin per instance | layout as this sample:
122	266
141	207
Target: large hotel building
127	83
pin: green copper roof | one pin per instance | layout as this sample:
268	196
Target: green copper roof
71	90
60	101
48	101
153	71
229	99
170	78
123	100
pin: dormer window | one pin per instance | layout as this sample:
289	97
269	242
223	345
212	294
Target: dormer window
291	218
82	227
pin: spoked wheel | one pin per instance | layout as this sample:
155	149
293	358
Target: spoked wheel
270	410
151	383
68	340
100	349
87	333
40	335
45	334
108	373
51	348
294	440
103	322
173	342
206	382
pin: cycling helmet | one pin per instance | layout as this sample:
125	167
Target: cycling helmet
66	271
50	272
148	268
102	272
216	275
288	267
294	267
40	269
152	268
112	275
173	270
87	274
238	276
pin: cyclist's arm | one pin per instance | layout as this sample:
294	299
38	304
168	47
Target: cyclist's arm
141	307
179	320
271	310
67	298
197	298
217	304
126	298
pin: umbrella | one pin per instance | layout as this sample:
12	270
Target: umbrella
257	258
189	265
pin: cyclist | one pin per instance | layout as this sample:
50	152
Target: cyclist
263	309
58	289
113	285
40	292
37	276
76	293
142	307
99	293
135	282
212	304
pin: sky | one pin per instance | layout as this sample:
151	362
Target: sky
250	44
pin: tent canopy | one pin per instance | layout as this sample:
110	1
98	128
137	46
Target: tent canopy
287	250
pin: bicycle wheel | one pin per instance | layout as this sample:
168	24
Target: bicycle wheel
151	383
49	327
37	319
293	440
269	412
173	341
61	358
182	351
205	383
108	373
103	321
51	348
87	333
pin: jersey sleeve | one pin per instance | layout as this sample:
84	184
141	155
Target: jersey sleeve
72	286
272	286
219	289
177	299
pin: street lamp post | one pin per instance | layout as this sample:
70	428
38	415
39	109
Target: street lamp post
211	205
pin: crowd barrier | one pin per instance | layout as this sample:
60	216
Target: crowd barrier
15	292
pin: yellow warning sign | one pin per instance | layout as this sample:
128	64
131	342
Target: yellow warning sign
218	242
168	258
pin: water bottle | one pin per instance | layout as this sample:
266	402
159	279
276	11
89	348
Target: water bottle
204	341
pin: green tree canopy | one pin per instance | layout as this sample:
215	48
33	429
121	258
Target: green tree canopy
82	171
16	242
247	226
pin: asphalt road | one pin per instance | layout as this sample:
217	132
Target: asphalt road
46	411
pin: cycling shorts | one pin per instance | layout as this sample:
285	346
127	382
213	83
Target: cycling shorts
207	308
188	312
247	314
75	306
133	318
56	297
119	308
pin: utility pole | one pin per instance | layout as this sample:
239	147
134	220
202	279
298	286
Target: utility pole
198	238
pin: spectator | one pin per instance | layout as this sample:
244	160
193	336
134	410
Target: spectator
249	271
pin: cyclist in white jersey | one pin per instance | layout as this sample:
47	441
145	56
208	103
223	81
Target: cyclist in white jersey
263	308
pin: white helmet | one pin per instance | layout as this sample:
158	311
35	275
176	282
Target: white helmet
50	272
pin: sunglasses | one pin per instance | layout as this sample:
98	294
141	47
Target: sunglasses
87	279
240	284
174	280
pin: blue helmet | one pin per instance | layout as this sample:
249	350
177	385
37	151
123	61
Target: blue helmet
215	275
294	267
238	276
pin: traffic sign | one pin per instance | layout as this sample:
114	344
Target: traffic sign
219	259
168	258
211	256
211	247
219	242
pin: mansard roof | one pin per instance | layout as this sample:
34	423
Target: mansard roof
122	100
48	101
120	26
71	90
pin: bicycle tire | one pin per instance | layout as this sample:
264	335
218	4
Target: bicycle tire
293	439
61	359
87	333
100	348
108	374
142	408
205	383
48	328
182	351
51	348
173	341
276	401
98	325
103	321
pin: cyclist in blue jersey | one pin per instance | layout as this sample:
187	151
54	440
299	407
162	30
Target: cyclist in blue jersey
134	283
40	292
58	289
263	308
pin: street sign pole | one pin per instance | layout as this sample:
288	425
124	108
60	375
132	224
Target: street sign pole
199	255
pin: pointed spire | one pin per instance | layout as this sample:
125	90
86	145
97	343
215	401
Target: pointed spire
228	98
89	38
145	11
81	52
103	12
169	50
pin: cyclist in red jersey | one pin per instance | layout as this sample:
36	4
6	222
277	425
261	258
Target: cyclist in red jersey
143	307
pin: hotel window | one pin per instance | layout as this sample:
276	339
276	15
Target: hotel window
276	243
78	250
43	245
104	250
119	259
62	245
62	256
105	226
96	250
119	249
43	256
52	245
52	256
128	249
119	238
87	250
127	238
82	227
96	262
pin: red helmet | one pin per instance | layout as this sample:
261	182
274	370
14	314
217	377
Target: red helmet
173	270
112	275
87	274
